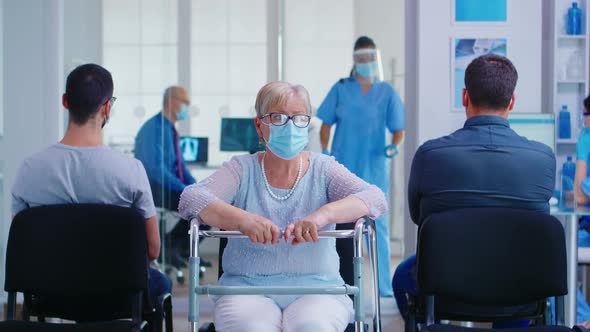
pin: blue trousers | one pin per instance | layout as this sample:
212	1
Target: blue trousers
582	310
158	284
383	253
404	283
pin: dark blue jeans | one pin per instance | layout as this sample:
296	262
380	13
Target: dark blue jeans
158	284
404	283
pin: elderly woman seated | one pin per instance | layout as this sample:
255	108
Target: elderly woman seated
283	188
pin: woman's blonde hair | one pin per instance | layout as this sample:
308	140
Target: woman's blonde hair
277	93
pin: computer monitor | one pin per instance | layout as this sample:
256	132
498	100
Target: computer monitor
194	149
538	127
239	134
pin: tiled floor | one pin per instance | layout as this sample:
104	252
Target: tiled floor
390	318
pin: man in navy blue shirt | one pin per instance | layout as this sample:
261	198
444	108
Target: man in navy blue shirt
157	147
483	164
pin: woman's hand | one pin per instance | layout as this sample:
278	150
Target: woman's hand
259	229
306	230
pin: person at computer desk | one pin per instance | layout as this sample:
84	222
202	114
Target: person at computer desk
157	147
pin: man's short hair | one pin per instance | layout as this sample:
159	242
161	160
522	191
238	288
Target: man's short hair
490	81
587	104
87	87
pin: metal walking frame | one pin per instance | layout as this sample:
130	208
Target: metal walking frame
363	226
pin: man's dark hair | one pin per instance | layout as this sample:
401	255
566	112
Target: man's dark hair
587	104
87	88
490	81
364	42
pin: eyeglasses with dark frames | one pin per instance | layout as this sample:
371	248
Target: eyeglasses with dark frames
280	119
112	100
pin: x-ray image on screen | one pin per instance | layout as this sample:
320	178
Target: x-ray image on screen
194	149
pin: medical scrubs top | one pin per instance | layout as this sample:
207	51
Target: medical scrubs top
583	146
582	153
361	120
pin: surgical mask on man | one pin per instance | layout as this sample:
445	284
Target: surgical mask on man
106	118
287	141
183	114
367	70
104	122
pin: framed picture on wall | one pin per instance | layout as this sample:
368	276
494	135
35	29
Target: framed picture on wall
480	12
463	51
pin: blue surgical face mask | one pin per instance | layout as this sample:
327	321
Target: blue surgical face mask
287	141
366	70
183	114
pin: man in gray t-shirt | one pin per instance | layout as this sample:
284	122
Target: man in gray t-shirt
79	169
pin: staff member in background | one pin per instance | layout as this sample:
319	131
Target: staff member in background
582	182
157	147
582	196
363	107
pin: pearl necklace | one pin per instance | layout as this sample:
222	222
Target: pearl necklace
275	196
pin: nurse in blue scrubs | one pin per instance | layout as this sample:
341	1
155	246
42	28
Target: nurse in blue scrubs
363	108
582	180
582	195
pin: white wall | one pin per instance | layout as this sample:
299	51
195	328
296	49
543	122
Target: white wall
82	33
33	68
524	34
428	67
383	21
411	102
318	42
1	94
82	36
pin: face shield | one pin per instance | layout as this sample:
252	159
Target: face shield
367	64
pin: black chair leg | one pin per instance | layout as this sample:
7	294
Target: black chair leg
410	321
207	327
26	316
157	319
168	313
11	306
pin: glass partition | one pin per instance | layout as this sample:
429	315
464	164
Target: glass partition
318	39
228	67
140	49
1	79
140	45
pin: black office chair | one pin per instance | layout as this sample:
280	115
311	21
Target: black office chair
490	264
82	262
25	326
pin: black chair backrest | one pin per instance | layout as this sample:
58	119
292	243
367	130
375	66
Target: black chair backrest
80	260
492	256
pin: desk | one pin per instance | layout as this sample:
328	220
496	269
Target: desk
571	241
201	172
